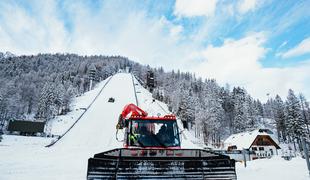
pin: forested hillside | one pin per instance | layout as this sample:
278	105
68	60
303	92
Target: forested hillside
42	86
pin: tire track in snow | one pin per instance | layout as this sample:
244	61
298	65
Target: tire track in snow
137	103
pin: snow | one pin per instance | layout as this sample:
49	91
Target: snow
16	141
6	55
28	158
60	124
273	169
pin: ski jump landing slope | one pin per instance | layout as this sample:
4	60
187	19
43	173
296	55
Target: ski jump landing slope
96	129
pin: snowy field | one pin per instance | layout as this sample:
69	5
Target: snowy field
275	168
23	158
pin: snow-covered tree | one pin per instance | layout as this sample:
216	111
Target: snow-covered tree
279	116
186	110
294	121
252	113
268	109
305	113
228	106
240	122
213	111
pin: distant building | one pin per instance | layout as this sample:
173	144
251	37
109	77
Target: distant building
261	141
150	80
26	127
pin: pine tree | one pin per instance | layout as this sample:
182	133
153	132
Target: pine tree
251	112
295	125
305	111
279	117
43	102
186	111
240	112
213	112
259	108
228	106
68	96
268	111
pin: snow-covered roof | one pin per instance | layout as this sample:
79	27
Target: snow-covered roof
245	139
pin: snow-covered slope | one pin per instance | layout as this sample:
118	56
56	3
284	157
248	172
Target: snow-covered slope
60	124
96	129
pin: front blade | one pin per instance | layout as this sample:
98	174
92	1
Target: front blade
152	164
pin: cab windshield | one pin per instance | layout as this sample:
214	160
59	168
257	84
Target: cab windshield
153	133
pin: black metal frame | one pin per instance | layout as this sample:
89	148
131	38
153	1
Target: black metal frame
201	164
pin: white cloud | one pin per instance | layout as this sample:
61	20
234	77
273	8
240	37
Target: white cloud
283	44
247	5
237	62
176	31
300	49
191	8
22	33
113	30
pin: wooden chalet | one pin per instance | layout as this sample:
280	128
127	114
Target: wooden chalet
260	141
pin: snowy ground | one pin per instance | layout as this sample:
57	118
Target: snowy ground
22	141
273	169
27	158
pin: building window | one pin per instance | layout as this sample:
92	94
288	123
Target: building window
261	148
230	148
254	148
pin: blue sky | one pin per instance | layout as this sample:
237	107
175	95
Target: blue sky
263	45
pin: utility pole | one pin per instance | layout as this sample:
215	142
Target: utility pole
244	157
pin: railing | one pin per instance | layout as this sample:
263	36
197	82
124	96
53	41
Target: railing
238	155
134	88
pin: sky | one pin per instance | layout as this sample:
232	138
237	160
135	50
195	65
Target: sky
261	45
